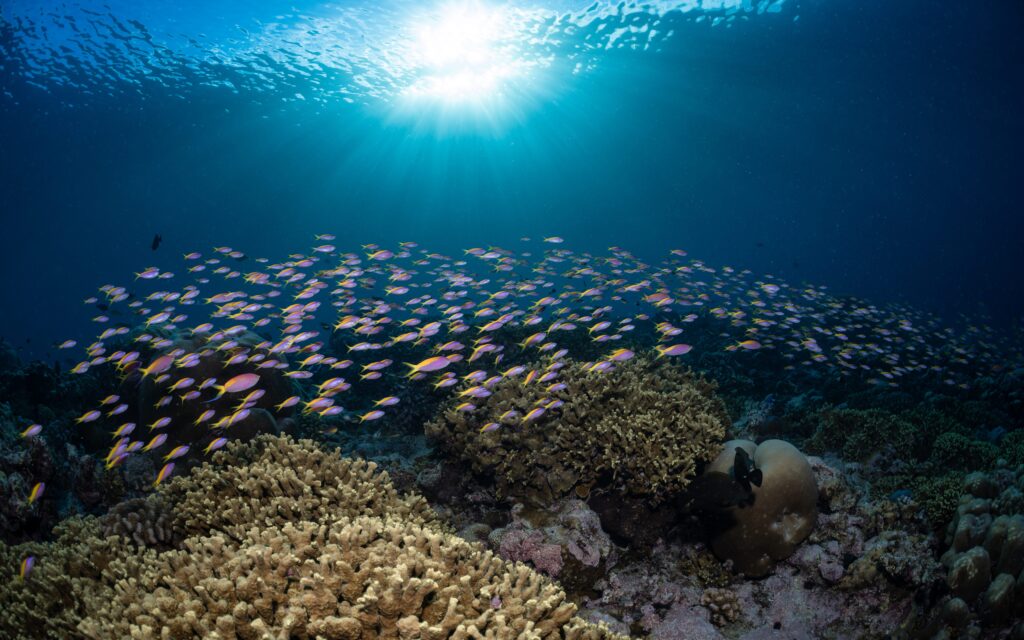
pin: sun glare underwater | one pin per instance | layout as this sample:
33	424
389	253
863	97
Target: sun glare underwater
535	320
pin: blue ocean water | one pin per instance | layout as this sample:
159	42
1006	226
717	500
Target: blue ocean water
872	146
702	316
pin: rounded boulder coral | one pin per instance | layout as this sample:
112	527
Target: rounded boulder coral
780	513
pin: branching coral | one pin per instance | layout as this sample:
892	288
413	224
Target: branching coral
856	434
64	585
285	540
938	495
146	522
360	578
956	451
723	605
272	480
639	429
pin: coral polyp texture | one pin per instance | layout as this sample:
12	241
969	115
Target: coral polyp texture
298	543
640	430
275	480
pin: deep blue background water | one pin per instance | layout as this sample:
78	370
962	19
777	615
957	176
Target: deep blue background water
873	146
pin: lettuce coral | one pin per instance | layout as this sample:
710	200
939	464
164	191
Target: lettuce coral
640	429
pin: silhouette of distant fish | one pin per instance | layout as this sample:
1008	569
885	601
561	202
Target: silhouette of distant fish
157	239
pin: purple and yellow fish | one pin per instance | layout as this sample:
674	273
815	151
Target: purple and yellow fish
36	492
26	567
165	472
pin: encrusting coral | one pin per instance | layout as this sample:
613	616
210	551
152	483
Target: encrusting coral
640	429
285	540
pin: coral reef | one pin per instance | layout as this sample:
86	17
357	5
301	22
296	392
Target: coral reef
723	605
937	495
983	559
956	451
146	522
22	464
283	539
857	575
641	429
930	431
522	545
594	512
66	583
355	578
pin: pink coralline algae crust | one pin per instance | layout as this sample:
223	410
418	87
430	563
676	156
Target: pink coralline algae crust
529	546
568	533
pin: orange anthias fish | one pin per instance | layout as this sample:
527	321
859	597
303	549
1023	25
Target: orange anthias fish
496	297
26	567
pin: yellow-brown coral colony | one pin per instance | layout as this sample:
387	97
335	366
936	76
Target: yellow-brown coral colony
640	430
281	540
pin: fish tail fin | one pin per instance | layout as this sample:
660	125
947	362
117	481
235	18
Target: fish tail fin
756	477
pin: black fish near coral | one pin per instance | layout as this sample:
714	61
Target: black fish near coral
743	470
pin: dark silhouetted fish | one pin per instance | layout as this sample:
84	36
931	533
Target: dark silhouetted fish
744	472
715	491
157	239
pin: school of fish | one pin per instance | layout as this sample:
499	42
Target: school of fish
464	316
